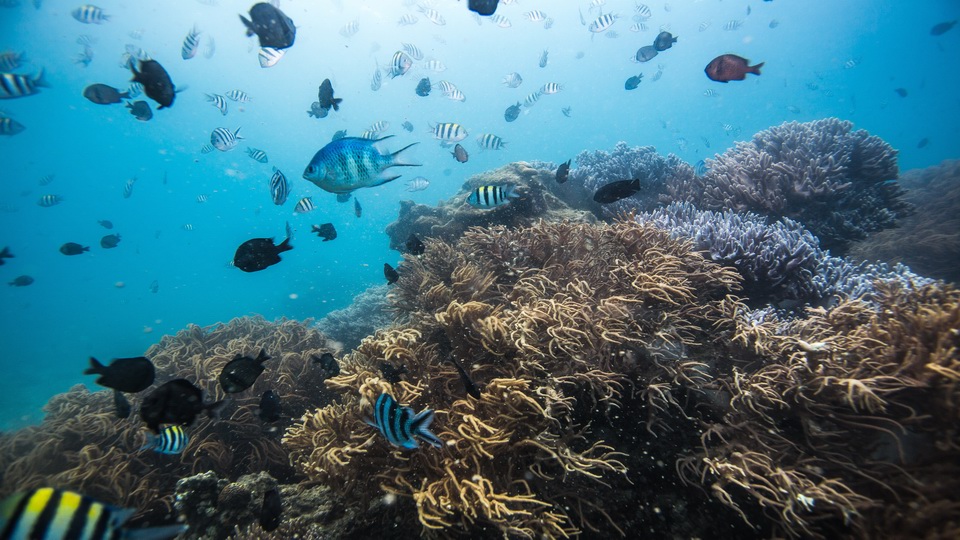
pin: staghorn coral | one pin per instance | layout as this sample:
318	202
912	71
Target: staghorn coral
839	183
540	198
560	323
82	445
851	417
928	241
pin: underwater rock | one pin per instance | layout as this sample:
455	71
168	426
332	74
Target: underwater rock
367	313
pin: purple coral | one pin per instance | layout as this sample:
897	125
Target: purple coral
839	183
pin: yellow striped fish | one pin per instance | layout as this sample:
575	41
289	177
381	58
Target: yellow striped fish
491	196
449	132
56	513
173	439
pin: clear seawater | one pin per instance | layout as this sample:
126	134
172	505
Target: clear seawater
855	53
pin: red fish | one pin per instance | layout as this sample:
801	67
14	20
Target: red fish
730	67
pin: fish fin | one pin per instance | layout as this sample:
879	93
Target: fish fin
249	24
95	367
420	427
755	69
263	356
154	533
122	515
382	181
86	248
125	95
183	88
336	103
237	133
151	442
284	246
395	163
509	193
40	80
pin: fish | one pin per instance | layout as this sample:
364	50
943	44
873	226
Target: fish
130	375
902	92
710	92
732	25
468	385
513	80
238	95
535	15
400	426
140	110
390	273
414	245
14	86
279	188
110	241
664	41
491	196
325	96
156	82
730	67
257	155
47	201
224	140
207	148
512	112
210	49
942	28
700	168
923	142
121	405
566	111
11	60
90	14
5	254
271	26
407	20
325	231
703	26
270	510
423	87
377	79
551	88
435	65
646	53
135	89
489	141
643	11
350	29
450	132
241	372
73	248
154	286
633	82
460	153
603	22
58	513
9	126
128	187
270	407
327	363
400	64
105	223
317	111
190	44
269	56
418	184
339	134
258	253
202	198
413	51
483	7
303	206
563	171
172	440
432	15
543	59
21	281
218	102
352	163
614	191
500	21
103	94
85	56
774	23
175	402
357	210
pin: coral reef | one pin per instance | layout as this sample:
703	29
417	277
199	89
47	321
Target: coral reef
540	198
368	312
928	241
839	183
82	445
594	169
848	425
560	324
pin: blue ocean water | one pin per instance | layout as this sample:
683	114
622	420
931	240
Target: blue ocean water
822	59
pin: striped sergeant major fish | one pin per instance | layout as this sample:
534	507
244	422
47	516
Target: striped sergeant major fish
432	15
376	80
128	187
172	440
435	66
47	201
10	60
491	196
543	58
56	513
303	206
413	51
206	149
535	15
401	426
400	64
9	126
551	88
449	132
89	14
218	102
602	23
14	86
223	139
490	141
407	20
279	188
257	155
269	56
238	95
191	44
500	21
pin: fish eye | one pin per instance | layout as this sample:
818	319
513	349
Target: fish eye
311	169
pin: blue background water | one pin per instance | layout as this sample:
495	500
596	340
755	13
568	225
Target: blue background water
75	308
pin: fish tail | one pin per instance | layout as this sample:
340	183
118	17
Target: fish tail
394	162
755	69
336	104
95	367
40	80
237	132
284	246
420	426
508	192
151	442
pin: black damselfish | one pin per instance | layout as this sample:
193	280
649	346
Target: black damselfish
270	407
614	191
156	82
390	273
326	231
175	402
271	510
415	245
258	253
124	374
241	372
271	25
563	171
328	363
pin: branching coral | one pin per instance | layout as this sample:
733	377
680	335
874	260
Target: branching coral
82	445
549	320
839	183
